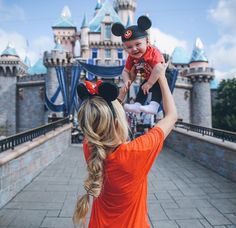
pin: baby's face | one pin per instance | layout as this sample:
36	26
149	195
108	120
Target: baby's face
136	48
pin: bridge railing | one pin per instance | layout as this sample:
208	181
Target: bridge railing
217	133
14	140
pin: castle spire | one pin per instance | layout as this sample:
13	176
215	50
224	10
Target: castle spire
10	51
198	54
85	22
66	14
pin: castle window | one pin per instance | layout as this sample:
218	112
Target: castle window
108	31
120	53
94	53
107	53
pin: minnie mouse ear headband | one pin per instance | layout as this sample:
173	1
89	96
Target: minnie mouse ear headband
132	32
107	90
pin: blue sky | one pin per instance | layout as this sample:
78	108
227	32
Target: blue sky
175	23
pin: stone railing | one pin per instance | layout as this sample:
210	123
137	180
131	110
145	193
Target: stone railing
19	166
206	147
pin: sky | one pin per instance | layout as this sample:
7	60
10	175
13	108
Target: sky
27	25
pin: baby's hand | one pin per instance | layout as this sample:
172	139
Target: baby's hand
127	85
146	86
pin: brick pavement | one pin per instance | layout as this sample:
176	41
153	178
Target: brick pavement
182	194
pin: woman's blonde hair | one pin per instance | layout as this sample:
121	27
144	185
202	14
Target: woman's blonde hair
104	130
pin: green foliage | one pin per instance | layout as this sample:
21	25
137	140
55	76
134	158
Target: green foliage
224	112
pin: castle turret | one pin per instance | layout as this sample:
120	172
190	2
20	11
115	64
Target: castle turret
125	9
84	38
65	30
57	57
11	67
201	76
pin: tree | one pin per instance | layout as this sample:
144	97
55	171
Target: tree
224	111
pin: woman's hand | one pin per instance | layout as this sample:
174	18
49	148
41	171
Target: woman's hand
146	87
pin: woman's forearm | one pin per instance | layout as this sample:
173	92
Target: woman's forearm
167	98
167	123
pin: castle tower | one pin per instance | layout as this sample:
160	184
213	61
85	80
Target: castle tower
84	38
98	45
65	30
125	9
57	57
201	75
11	67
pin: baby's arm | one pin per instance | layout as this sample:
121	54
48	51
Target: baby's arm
126	79
155	74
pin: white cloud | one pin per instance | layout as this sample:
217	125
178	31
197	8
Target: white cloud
165	42
220	75
36	48
222	54
224	14
11	12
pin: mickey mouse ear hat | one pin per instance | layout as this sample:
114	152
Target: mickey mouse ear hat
132	32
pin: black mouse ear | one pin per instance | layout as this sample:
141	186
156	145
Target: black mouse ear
117	29
108	91
144	23
82	91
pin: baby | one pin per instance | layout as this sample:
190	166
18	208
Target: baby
145	59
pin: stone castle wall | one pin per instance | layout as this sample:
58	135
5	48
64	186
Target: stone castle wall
30	102
7	105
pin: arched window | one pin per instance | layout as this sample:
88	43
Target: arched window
107	53
107	31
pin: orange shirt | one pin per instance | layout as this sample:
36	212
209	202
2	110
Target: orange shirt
123	200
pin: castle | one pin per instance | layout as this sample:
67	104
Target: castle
22	87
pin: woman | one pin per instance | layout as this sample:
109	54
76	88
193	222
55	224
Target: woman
118	168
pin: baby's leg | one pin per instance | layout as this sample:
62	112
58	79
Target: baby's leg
140	99
154	105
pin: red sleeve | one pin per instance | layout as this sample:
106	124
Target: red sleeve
156	57
129	63
145	149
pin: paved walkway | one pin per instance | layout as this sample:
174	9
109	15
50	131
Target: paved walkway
181	194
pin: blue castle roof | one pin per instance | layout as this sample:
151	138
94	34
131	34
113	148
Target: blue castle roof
65	20
27	61
107	8
180	56
198	54
98	6
10	50
38	68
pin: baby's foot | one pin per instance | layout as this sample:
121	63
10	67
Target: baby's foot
132	107
152	108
